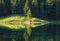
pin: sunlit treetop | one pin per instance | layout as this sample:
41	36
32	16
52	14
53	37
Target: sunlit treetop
1	1
50	2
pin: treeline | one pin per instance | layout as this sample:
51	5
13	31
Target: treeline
38	8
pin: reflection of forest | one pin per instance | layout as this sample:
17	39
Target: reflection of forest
43	9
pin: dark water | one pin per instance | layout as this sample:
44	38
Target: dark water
47	32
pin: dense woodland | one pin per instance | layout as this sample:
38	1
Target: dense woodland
45	9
